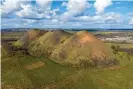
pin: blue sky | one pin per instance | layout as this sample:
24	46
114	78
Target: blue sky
66	14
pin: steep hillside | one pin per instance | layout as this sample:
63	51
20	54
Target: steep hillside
84	49
28	37
47	43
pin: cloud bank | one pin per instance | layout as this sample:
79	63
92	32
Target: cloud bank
100	5
78	13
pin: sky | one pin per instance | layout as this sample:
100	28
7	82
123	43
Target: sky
106	14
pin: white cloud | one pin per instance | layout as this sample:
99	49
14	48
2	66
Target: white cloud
54	20
22	23
55	11
74	8
130	14
100	5
27	11
9	6
39	12
118	2
113	18
78	5
24	9
64	4
107	18
131	22
44	3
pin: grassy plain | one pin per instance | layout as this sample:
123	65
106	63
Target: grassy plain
21	71
13	35
55	76
124	45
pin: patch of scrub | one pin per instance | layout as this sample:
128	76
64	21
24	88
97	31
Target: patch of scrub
34	65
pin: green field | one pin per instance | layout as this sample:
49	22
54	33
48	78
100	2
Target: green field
51	75
21	71
15	35
126	45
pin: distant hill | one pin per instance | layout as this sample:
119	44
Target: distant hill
81	49
68	29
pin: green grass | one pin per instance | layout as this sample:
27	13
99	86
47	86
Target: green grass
17	44
13	72
4	51
56	76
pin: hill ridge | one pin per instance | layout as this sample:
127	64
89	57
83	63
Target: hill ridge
81	48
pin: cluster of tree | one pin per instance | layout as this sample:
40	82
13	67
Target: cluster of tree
115	48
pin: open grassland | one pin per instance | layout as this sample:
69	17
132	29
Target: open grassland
15	35
104	32
17	74
21	71
124	45
112	32
26	72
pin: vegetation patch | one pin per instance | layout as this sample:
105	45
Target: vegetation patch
34	65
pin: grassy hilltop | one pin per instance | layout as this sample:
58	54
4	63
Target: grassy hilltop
84	49
47	43
79	49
